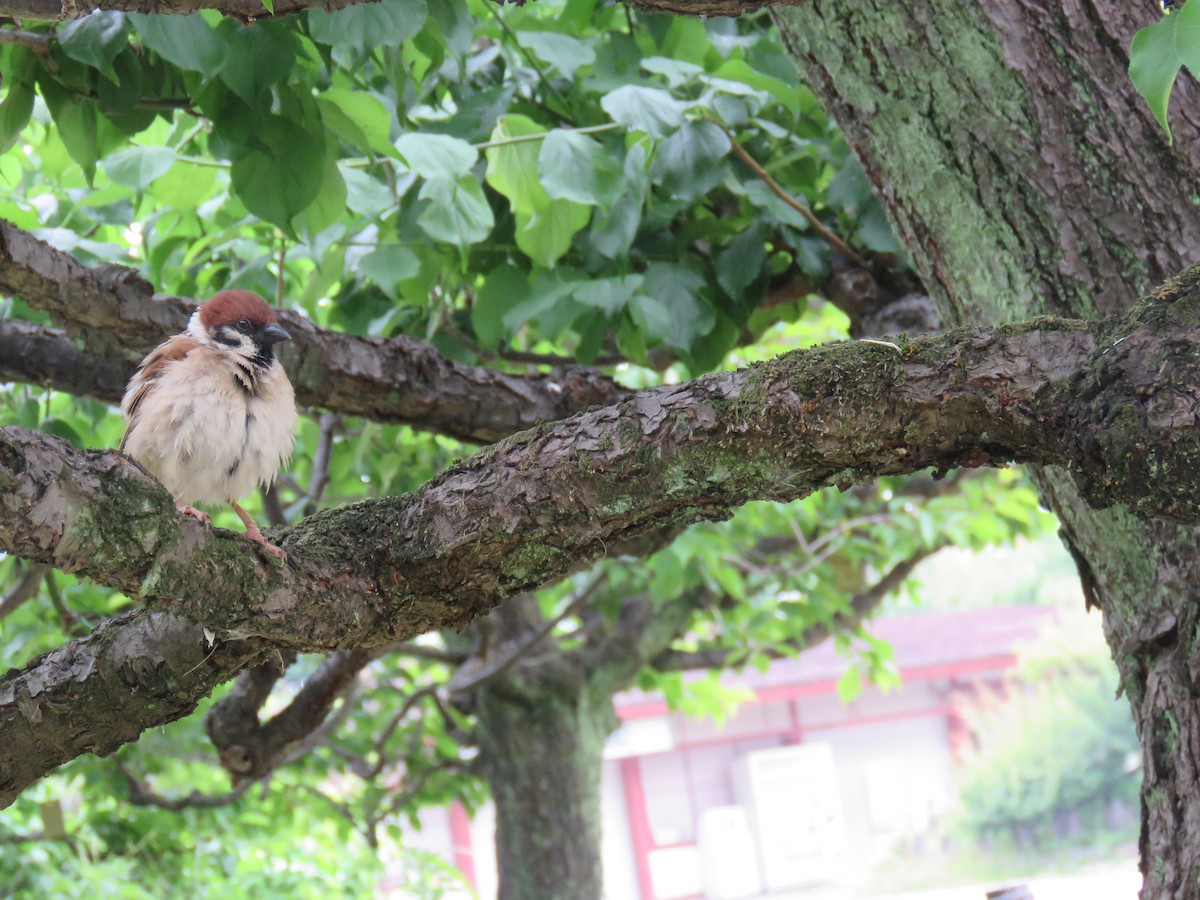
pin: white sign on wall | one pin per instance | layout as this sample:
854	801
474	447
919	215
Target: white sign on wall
791	795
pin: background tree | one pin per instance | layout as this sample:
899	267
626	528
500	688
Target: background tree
651	266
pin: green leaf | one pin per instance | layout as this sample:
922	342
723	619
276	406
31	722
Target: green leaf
503	290
669	307
563	52
1154	63
369	25
269	6
437	155
14	113
739	264
258	56
513	167
327	206
608	294
849	190
365	195
645	109
77	125
96	39
1187	36
574	167
849	686
545	292
740	70
614	231
458	213
545	234
688	164
184	186
186	41
668	581
388	265
138	166
358	118
280	173
875	232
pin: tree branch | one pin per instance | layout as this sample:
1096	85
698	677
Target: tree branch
250	749
1112	400
25	589
141	794
134	671
118	318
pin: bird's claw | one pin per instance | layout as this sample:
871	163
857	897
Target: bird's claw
198	514
253	534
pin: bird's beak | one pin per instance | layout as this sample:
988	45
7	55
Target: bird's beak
272	334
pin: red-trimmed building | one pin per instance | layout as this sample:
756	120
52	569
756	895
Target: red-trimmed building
775	797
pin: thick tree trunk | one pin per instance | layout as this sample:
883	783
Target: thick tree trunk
541	752
1026	176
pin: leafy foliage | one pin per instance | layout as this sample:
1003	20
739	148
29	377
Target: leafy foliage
1058	743
1160	50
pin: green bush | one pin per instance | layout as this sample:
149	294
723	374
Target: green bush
1055	751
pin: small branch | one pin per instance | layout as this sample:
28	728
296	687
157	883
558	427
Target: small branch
830	238
25	589
72	624
251	749
141	794
424	651
472	680
32	39
329	423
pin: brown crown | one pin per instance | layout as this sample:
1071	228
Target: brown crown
228	307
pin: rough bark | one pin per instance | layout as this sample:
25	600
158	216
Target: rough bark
542	723
1112	401
1026	176
94	694
541	754
118	318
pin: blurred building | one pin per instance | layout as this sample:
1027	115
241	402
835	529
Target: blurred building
775	797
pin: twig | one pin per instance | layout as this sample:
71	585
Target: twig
329	423
489	673
73	624
38	42
531	59
140	794
25	589
830	238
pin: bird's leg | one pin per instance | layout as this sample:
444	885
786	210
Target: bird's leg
253	533
200	515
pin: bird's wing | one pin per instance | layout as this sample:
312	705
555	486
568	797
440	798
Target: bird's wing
150	370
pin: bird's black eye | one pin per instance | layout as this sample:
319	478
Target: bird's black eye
245	326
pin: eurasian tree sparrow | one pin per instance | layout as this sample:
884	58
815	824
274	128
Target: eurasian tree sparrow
211	413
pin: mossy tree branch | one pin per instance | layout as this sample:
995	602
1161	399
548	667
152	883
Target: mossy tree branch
1112	402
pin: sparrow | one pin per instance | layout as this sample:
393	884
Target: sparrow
210	413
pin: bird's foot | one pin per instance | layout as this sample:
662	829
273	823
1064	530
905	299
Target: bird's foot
254	533
198	514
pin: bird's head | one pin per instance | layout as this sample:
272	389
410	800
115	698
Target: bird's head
239	322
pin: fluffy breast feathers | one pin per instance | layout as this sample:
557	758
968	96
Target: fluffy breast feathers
208	433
